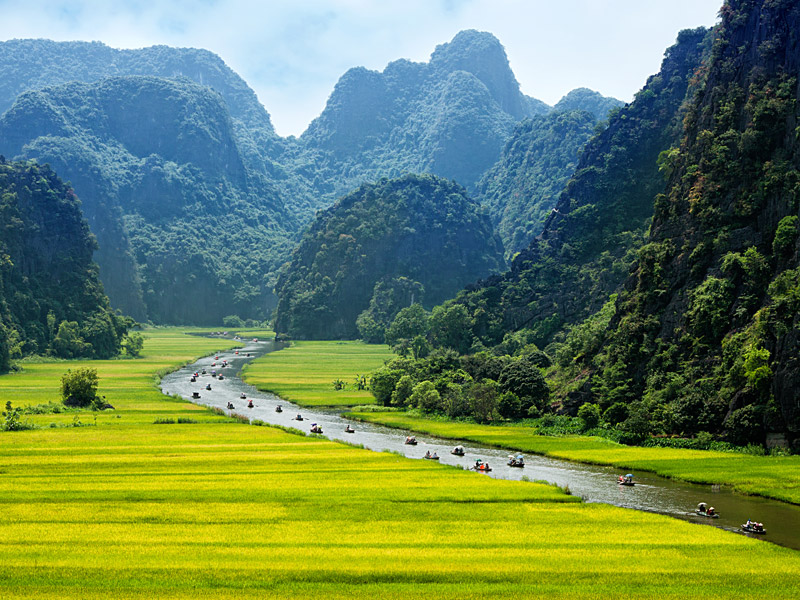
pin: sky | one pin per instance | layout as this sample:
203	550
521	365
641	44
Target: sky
292	52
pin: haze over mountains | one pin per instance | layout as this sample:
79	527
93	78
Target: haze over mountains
194	199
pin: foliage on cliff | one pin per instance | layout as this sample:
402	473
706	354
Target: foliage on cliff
51	300
187	231
522	188
706	336
382	247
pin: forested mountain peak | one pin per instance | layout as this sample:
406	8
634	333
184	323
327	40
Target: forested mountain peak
449	116
417	237
27	64
589	239
167	190
51	300
708	332
482	54
590	101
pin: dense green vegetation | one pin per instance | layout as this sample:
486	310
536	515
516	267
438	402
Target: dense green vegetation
521	189
380	248
187	231
319	373
702	340
51	301
589	241
705	337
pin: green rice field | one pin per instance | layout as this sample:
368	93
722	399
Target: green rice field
130	385
304	372
223	510
130	509
770	476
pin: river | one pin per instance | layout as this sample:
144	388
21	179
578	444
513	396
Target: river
593	483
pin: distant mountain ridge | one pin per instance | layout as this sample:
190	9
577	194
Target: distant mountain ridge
166	186
31	64
449	116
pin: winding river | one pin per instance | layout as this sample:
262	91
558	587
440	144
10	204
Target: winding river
593	483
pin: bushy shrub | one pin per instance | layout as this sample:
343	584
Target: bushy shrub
590	415
79	387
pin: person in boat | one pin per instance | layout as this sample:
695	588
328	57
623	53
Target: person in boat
208	387
250	404
711	511
701	507
428	454
434	456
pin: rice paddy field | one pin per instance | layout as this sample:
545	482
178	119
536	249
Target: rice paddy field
770	476
304	372
219	509
130	385
224	510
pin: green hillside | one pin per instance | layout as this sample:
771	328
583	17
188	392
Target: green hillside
187	232
51	300
383	247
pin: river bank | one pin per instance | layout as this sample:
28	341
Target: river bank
771	477
591	482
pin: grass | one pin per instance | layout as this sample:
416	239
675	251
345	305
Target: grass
130	385
304	372
218	509
773	477
231	511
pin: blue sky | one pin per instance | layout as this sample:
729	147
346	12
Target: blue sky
292	52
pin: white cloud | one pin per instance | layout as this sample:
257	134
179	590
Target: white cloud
293	52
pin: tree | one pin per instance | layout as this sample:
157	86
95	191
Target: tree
68	343
451	327
408	324
132	344
483	400
425	397
525	379
234	321
510	406
79	387
402	390
590	415
383	382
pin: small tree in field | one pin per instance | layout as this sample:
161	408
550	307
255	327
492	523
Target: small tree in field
79	387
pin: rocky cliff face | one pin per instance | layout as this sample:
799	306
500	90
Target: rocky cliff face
450	116
589	239
713	301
